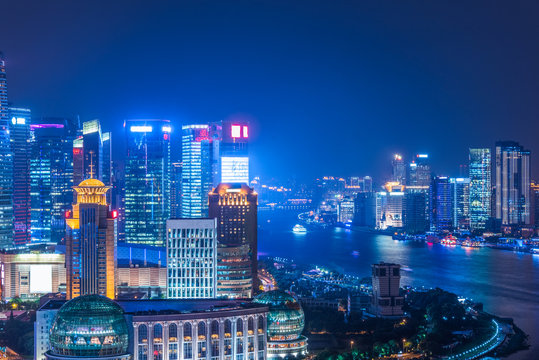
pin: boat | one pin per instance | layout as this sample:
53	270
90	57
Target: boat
299	229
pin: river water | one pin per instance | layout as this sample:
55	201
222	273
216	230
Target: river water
507	283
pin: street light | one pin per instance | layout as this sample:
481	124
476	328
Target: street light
403	342
351	344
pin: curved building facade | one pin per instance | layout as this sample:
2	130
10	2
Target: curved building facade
285	325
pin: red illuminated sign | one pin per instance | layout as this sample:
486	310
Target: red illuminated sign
77	151
67	214
114	214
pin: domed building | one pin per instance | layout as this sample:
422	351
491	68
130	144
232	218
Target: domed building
285	324
90	327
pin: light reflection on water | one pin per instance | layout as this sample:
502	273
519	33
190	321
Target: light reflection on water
506	282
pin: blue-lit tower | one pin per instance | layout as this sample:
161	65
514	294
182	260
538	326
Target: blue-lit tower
480	169
441	205
147	181
6	165
19	130
234	152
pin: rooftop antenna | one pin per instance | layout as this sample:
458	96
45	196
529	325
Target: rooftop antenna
92	164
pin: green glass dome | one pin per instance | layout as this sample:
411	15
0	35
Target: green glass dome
285	319
89	326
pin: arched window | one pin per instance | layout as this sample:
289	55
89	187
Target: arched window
251	325
239	327
158	333
228	328
201	330
214	328
187	331
142	334
172	332
260	324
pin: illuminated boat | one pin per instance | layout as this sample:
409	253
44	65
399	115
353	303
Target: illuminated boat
299	229
449	240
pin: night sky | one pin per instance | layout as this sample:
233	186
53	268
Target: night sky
331	87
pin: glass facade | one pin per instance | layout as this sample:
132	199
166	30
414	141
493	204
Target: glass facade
147	181
441	205
480	187
89	326
51	177
191	258
6	165
19	130
460	195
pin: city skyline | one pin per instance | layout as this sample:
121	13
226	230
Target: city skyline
338	74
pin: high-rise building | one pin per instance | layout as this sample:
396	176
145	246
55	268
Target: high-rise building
91	243
365	209
534	188
441	205
367	184
345	210
51	177
235	208
399	169
480	187
234	152
389	206
176	190
200	158
386	298
191	258
512	183
6	165
419	171
460	197
147	181
415	213
19	131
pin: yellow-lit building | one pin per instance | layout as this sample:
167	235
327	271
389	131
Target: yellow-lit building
91	242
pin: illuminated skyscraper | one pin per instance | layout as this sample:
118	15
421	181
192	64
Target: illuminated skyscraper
234	152
415	209
399	169
419	171
6	165
480	187
441	205
176	190
191	258
512	183
235	208
200	158
389	206
460	197
147	181
19	130
91	242
51	177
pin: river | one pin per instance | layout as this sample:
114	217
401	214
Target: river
506	282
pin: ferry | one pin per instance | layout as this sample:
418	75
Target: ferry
449	240
299	229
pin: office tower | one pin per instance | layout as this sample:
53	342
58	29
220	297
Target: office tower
106	167
534	189
51	177
147	181
176	190
419	171
234	152
386	298
345	210
367	184
200	158
389	206
91	242
480	187
78	162
512	183
118	196
415	205
399	169
6	165
92	144
441	205
191	258
460	197
355	182
19	131
365	210
235	207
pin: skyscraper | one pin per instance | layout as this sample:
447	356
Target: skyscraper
389	206
512	183
19	130
91	243
176	190
6	165
399	169
234	152
415	209
200	158
191	258
235	208
386	298
147	181
480	187
460	197
51	177
441	205
419	171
